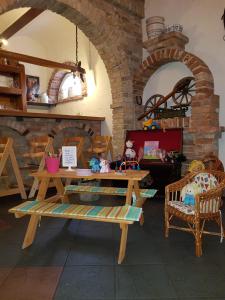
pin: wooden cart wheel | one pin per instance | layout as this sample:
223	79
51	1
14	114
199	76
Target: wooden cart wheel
183	90
153	102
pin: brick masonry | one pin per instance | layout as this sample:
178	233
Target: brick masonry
23	129
114	27
201	130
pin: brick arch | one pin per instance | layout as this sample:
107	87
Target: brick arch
105	24
203	132
16	126
81	126
202	74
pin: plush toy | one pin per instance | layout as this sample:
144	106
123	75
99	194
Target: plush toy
188	193
196	166
94	164
104	165
130	152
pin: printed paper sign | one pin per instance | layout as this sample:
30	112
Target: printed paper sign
69	156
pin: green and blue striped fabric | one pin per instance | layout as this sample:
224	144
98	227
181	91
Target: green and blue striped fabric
145	193
126	212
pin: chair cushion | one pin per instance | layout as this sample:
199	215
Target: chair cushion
202	183
206	181
179	205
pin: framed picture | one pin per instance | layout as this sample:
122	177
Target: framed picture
33	85
151	149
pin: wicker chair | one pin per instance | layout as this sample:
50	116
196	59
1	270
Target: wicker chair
207	208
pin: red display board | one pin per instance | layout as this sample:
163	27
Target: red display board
169	139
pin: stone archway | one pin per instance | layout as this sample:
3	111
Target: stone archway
203	132
105	24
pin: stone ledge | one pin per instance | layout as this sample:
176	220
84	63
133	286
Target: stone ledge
166	40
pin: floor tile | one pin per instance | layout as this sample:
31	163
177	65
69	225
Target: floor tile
81	282
91	249
50	248
4	272
30	283
143	281
197	280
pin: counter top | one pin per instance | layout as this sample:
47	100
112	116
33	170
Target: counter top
16	113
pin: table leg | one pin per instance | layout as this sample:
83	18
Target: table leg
31	230
43	189
123	242
60	190
139	200
130	187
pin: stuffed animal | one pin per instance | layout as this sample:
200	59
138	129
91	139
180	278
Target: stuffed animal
196	166
130	152
94	164
104	165
188	193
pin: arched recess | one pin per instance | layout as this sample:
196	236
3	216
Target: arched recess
55	83
105	24
203	132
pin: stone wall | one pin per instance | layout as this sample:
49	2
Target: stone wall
22	129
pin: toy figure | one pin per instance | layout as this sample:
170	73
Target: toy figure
150	124
130	153
104	165
94	164
188	193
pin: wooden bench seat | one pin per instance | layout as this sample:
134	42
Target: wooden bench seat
117	191
123	215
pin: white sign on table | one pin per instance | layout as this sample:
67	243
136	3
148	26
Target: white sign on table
69	157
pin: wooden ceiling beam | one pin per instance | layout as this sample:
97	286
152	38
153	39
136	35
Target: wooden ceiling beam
26	18
39	61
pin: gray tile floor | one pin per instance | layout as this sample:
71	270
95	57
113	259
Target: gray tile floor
81	258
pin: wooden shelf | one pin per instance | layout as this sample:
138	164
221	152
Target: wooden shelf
14	97
19	113
40	103
10	69
10	91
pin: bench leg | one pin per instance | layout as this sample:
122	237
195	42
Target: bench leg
123	242
31	230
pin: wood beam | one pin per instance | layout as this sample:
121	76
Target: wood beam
26	18
39	61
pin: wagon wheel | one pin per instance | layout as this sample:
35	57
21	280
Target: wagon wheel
183	90
154	102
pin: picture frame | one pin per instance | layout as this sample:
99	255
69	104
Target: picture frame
33	86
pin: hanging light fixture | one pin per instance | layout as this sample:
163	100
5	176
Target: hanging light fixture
91	73
79	71
3	42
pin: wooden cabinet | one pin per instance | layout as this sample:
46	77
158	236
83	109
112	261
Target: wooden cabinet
13	96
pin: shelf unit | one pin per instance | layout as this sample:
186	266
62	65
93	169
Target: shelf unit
13	97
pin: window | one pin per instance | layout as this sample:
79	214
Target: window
72	87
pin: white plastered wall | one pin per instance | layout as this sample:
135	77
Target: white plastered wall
203	26
52	37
